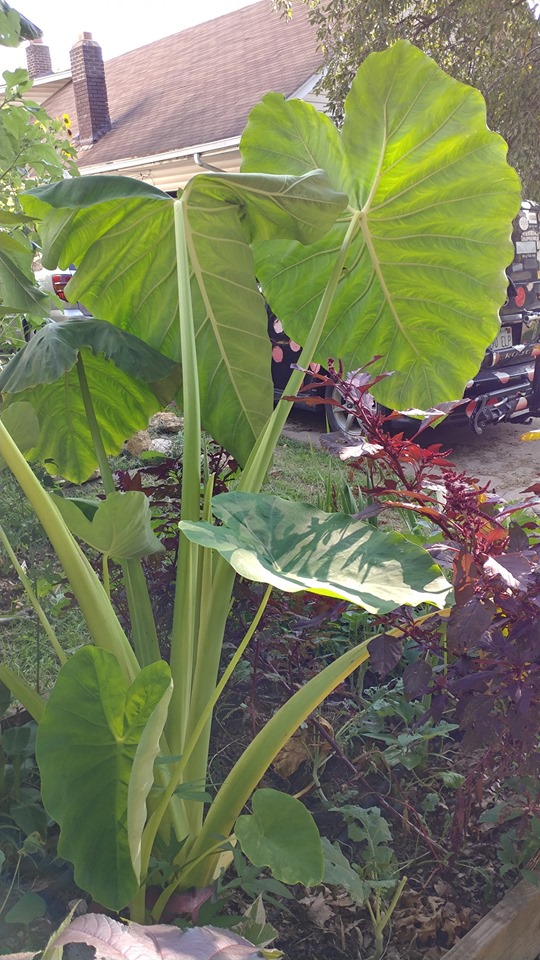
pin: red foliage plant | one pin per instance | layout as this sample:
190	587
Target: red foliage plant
482	657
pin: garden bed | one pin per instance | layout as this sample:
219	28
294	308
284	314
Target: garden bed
362	750
511	931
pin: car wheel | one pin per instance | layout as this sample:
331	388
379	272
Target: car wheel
343	418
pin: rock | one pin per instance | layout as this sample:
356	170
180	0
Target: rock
138	443
162	445
166	423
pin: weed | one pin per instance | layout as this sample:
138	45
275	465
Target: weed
374	881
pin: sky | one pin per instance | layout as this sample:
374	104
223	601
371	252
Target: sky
117	25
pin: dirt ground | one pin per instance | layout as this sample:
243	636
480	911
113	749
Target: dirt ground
497	456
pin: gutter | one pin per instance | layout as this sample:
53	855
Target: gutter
186	153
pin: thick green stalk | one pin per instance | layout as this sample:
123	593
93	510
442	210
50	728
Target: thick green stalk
214	614
206	664
260	458
383	921
216	605
256	759
143	625
24	692
187	602
177	773
145	639
93	601
30	593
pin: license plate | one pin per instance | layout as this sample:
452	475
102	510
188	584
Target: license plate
503	339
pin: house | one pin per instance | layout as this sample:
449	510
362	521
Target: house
163	111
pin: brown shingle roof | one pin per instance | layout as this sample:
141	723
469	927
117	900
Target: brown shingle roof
198	86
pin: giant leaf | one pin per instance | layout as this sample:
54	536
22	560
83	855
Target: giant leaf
54	349
120	234
128	382
19	292
22	423
96	747
294	546
15	27
431	199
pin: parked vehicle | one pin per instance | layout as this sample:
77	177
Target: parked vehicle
55	281
504	387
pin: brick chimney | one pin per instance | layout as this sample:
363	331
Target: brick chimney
38	59
88	75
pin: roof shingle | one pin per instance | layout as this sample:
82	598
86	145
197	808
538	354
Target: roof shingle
198	86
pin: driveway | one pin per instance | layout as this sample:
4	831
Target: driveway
497	456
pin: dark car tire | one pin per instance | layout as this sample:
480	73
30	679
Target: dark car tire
344	420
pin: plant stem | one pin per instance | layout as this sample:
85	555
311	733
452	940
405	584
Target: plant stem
393	903
215	609
141	615
30	592
256	759
260	458
187	602
93	601
178	769
214	614
106	577
24	692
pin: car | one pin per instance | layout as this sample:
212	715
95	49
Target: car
55	282
505	387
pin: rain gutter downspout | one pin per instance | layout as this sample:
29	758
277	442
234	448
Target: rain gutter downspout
197	157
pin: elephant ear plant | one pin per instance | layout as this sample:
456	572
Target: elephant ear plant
389	237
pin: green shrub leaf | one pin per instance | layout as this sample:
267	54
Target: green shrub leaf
281	834
120	526
28	908
127	379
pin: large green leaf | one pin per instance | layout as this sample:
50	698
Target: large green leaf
431	199
120	233
296	547
120	526
19	292
22	423
281	834
15	27
96	747
128	382
54	349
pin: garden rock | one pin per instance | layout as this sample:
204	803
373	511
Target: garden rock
138	443
166	422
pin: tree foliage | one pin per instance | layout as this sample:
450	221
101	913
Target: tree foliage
491	44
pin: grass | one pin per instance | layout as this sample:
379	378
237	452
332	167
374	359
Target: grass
24	645
302	472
